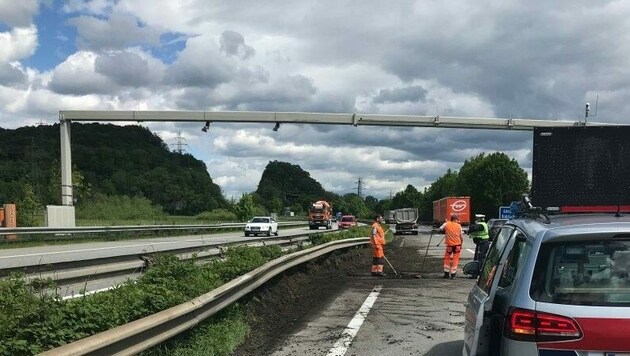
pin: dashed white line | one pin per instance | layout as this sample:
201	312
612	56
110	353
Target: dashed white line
471	251
341	346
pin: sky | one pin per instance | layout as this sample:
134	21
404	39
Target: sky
506	59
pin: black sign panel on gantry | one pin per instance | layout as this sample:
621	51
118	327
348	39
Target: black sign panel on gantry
581	166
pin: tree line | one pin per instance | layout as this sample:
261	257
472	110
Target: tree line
123	172
108	161
490	180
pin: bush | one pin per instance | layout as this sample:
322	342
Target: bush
216	215
320	238
33	321
103	207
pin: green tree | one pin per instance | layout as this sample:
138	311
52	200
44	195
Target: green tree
107	159
291	184
356	206
28	207
371	203
340	204
491	181
81	190
444	186
245	208
408	198
275	205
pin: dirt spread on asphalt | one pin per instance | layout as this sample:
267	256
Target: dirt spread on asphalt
279	307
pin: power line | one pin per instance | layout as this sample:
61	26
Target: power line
360	188
180	143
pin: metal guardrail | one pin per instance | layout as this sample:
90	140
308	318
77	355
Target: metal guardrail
117	265
149	331
127	228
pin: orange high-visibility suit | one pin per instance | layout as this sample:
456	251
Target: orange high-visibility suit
453	241
377	241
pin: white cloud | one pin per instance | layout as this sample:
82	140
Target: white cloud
77	76
18	43
461	58
18	13
117	32
94	7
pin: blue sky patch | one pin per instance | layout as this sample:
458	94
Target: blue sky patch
57	40
171	44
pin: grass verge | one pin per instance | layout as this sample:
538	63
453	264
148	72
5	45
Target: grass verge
34	320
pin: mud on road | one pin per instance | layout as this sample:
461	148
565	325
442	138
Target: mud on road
286	303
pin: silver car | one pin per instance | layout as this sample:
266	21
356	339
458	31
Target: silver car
554	286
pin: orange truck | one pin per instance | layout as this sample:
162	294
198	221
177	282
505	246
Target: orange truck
320	214
445	207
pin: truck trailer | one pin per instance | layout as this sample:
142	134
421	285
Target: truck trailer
445	207
390	216
406	221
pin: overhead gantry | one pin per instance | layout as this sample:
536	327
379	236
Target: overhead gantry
277	118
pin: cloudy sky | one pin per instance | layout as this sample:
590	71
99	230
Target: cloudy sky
537	60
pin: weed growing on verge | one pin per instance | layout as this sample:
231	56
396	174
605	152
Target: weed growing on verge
33	321
320	238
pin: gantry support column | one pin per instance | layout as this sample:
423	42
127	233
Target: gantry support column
66	163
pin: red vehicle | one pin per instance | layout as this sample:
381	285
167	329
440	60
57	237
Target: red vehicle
347	221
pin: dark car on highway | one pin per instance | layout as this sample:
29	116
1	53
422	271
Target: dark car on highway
556	285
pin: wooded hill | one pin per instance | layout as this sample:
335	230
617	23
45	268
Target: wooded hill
284	184
107	159
131	161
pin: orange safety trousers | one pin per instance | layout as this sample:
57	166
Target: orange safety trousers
378	252
451	258
378	258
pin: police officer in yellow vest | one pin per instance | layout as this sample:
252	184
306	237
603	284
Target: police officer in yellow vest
479	233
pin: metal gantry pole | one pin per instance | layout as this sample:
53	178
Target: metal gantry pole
66	162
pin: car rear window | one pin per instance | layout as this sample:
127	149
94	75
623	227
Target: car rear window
583	273
348	218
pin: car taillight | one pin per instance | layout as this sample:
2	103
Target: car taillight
529	325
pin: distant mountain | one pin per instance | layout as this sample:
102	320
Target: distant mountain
284	184
113	160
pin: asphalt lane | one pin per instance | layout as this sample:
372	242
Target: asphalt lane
409	317
40	255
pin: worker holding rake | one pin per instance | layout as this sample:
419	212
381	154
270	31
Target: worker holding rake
454	240
377	242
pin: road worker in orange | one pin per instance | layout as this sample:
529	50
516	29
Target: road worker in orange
454	239
377	241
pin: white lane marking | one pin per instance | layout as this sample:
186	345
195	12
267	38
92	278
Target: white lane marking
341	346
402	243
471	251
97	249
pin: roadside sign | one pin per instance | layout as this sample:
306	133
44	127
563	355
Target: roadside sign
505	213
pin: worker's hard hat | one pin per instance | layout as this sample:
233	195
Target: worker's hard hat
480	216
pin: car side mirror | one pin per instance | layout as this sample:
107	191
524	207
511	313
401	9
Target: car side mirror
471	268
